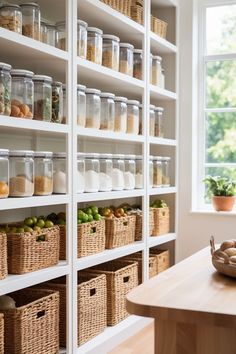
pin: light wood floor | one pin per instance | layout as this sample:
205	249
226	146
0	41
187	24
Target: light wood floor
141	343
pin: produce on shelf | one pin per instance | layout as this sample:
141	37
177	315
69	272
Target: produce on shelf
88	214
158	203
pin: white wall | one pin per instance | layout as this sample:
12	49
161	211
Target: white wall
194	229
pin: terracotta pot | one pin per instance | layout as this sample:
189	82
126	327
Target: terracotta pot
223	203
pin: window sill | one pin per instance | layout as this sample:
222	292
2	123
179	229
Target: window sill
214	213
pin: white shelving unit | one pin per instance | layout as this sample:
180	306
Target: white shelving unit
65	66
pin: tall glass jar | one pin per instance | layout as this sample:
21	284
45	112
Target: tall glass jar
43	173
5	89
11	18
120	114
43	32
159	130
151	120
157	171
118	180
105	175
126	58
21	173
107	111
111	51
31	19
4	173
139	172
138	64
22	94
163	79
166	171
59	173
80	172
81	105
51	34
151	171
156	70
42	97
133	117
93	108
130	172
140	119
92	170
94	45
82	39
57	102
64	118
61	42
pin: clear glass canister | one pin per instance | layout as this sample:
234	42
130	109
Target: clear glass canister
111	51
64	118
118	180
21	173
92	170
93	108
107	111
156	70
139	172
42	97
157	171
94	45
120	114
151	120
4	173
5	89
81	105
51	34
82	39
59	173
130	172
133	117
43	173
166	171
105	175
57	102
141	119
138	64
61	35
159	124
126	58
43	30
11	18
151	171
22	94
31	20
80	172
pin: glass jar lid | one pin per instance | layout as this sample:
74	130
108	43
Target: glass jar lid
95	30
126	45
112	37
43	154
133	102
81	87
92	156
80	155
157	158
159	109
157	57
167	158
138	51
121	99
61	24
151	107
82	23
59	155
22	73
10	6
33	4
129	157
57	84
139	157
118	157
21	153
106	156
4	66
4	152
42	78
107	95
92	90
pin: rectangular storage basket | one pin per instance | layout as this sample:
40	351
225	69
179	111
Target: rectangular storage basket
161	221
152	264
62	248
3	256
91	238
139	223
120	231
159	27
163	259
33	326
1	333
137	14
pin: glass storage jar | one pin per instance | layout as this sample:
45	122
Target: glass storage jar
156	70
140	119
111	51
64	118
151	120
22	94
133	117
166	171
120	114
93	108
11	17
118	181
51	34
139	172
5	89
57	102
92	170
157	171
107	121
159	130
31	20
59	173
94	45
151	171
82	39
105	175
81	105
80	172
138	64
4	173
130	172
42	97
43	32
162	83
21	173
126	58
43	173
61	35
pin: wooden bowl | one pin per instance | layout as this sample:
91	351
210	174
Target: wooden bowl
221	261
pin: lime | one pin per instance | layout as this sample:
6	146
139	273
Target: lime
48	224
79	222
28	221
88	211
37	228
28	229
90	218
85	218
97	217
34	220
19	230
42	217
40	223
13	229
61	222
94	209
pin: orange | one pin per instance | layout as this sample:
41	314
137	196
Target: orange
4	190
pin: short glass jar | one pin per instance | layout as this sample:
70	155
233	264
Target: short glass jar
111	51
159	122
42	97
11	18
120	114
82	39
61	42
138	64
157	171
80	172
139	172
22	94
4	173
126	58
133	117
130	172
59	173
93	108
151	171
140	119
57	102
43	173
92	170
107	111
105	175
94	45
81	105
21	173
5	89
166	171
51	34
31	20
64	118
151	120
118	181
156	70
44	31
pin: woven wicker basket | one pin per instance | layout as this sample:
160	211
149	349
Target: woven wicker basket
91	238
159	27
120	231
26	253
137	257
1	333
163	259
3	256
122	276
161	221
62	248
137	14
139	223
33	326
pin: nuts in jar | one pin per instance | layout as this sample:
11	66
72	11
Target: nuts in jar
11	18
94	45
31	20
5	89
22	94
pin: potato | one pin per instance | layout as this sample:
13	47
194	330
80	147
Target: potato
227	244
230	251
232	259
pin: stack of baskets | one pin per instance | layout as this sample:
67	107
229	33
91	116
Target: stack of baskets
3	256
130	8
162	259
161	221
159	26
152	264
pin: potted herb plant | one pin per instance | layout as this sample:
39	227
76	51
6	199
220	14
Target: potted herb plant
223	191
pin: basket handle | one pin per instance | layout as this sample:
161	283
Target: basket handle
125	223
41	238
93	230
126	279
92	292
41	314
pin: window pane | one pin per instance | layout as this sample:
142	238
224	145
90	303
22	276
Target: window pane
228	172
221	84
221	29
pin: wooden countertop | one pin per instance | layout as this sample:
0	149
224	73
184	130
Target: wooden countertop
191	291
